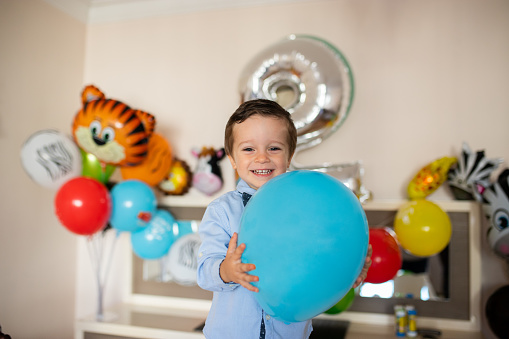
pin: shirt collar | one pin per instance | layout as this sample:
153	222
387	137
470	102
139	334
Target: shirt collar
242	187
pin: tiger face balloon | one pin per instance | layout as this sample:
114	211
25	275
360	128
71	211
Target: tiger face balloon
112	131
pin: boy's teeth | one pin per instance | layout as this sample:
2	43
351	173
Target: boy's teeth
262	171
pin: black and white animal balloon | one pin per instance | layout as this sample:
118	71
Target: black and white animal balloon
496	208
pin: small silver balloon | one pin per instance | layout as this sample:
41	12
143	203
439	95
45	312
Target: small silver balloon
350	174
309	77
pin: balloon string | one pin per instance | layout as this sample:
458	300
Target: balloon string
110	257
162	267
96	247
96	266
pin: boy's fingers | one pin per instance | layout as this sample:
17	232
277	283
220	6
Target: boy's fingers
240	249
249	287
248	267
232	245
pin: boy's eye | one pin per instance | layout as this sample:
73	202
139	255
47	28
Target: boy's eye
247	149
275	148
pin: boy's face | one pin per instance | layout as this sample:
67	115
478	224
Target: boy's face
260	149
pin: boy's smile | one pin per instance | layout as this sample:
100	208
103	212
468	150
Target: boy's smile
260	149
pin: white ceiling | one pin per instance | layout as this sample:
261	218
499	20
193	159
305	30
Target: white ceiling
100	11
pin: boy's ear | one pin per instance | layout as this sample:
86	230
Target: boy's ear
289	161
232	161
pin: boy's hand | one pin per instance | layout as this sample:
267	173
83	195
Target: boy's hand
233	270
364	272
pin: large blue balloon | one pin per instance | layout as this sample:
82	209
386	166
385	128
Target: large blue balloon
133	204
155	240
307	234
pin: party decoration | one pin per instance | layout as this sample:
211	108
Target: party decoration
134	204
309	77
344	304
207	177
318	238
155	240
178	180
83	205
496	208
497	312
156	164
471	169
386	258
50	158
350	174
422	228
111	130
184	227
182	259
429	178
101	247
93	168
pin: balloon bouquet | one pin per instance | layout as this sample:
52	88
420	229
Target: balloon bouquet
107	134
421	227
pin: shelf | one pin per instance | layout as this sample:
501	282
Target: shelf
194	198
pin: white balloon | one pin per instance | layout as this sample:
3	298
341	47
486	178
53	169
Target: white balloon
182	259
51	158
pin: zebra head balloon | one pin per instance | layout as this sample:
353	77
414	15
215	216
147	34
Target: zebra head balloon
496	208
471	169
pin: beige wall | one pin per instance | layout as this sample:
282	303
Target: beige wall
41	70
429	75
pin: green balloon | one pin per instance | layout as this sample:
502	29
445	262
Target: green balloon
93	168
343	304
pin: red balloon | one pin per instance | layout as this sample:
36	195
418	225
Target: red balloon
83	205
386	257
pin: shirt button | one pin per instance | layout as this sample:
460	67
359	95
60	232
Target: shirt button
267	317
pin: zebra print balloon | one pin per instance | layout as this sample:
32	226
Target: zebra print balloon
471	169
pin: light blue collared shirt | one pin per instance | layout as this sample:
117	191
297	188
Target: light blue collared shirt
234	313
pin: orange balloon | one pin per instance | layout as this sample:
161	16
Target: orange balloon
156	165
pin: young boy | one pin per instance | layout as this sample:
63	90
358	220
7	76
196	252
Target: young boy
260	140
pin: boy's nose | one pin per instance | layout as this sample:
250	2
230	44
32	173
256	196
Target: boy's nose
261	158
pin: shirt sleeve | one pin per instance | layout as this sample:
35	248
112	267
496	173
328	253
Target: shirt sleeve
215	233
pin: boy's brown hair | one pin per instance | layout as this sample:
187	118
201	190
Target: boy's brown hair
265	108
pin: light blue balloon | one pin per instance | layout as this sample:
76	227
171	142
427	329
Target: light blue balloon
155	240
307	234
184	227
131	199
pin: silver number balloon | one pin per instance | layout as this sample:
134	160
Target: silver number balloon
309	77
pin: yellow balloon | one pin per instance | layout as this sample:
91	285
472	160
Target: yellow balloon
422	228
